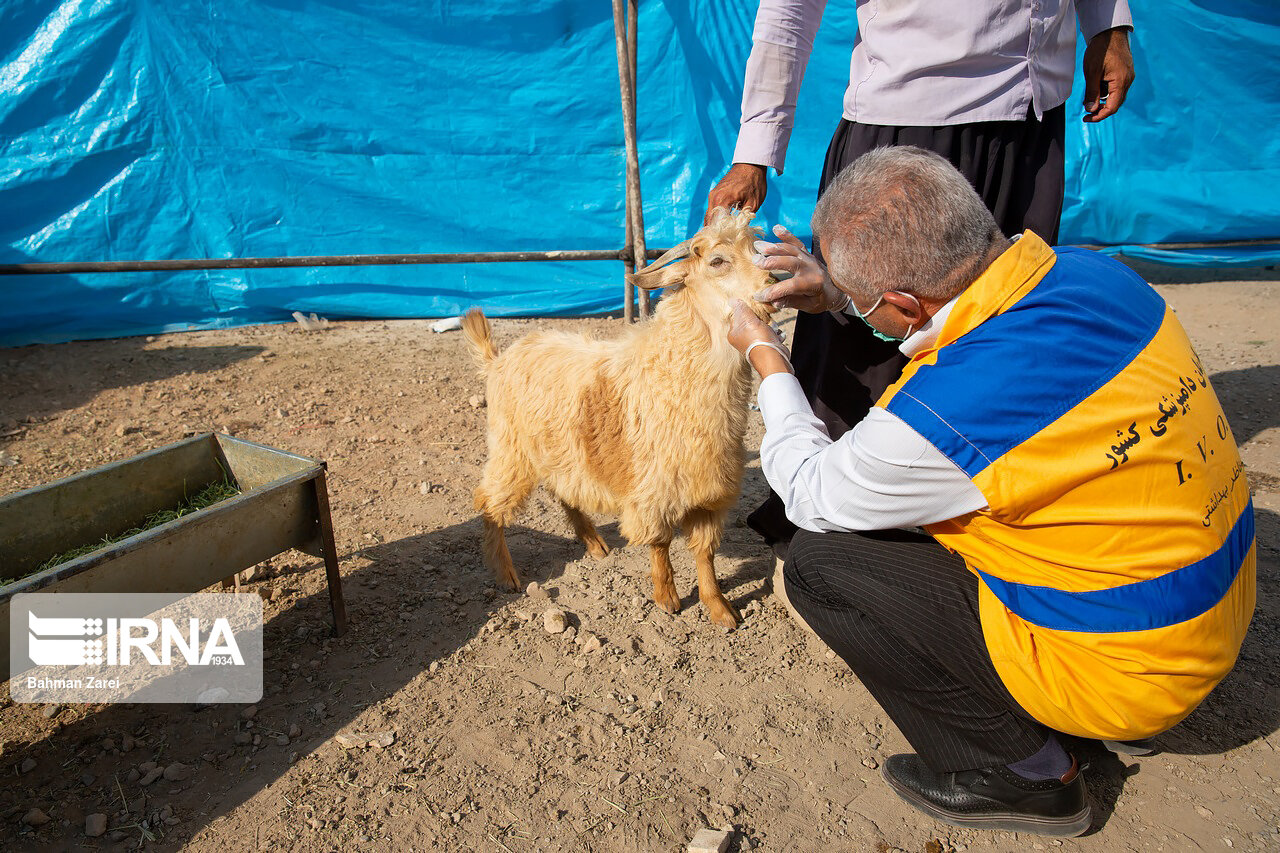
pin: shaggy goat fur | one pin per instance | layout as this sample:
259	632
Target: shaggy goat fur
647	426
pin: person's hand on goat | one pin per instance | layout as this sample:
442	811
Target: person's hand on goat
742	188
809	288
758	341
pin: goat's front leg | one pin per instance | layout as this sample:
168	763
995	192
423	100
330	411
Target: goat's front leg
664	588
703	528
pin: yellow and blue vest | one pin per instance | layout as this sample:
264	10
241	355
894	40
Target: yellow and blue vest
1116	557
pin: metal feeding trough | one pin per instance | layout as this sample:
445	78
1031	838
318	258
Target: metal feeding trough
283	503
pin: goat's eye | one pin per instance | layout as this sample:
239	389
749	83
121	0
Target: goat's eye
718	261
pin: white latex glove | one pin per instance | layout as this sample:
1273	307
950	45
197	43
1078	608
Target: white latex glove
809	288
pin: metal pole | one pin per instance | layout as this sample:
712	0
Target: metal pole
1213	244
313	261
633	50
634	209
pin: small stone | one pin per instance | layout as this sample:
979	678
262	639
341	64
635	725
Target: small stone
870	763
590	642
108	745
1203	812
555	621
360	740
50	711
95	825
295	730
244	739
126	743
535	590
424	487
147	766
27	766
35	817
250	712
87	779
177	772
282	740
711	841
314	823
132	776
150	776
435	665
476	401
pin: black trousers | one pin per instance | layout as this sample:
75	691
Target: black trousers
902	612
1017	168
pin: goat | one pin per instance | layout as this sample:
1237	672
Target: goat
647	427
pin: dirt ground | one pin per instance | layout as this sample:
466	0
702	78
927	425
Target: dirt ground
507	737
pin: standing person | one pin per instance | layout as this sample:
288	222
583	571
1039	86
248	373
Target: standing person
981	82
1088	564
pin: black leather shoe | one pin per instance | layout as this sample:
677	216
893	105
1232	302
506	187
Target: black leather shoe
993	797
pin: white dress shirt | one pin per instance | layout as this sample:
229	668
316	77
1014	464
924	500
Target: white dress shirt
919	62
879	475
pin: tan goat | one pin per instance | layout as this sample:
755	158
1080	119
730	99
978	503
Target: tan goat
647	426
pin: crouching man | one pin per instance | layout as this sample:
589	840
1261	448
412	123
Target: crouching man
1088	561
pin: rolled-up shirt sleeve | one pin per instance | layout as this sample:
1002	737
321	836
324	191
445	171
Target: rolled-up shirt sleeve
781	44
1098	15
880	475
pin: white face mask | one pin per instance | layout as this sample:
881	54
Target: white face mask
862	315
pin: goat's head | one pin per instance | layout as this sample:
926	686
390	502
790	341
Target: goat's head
716	262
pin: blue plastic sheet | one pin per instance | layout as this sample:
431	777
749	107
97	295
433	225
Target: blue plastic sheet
222	128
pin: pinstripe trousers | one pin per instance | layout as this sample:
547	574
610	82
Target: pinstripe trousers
902	612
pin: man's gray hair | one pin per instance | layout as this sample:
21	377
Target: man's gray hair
902	218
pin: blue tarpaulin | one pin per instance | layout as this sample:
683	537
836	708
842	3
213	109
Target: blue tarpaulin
134	130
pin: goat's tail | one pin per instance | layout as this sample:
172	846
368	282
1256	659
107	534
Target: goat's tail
479	337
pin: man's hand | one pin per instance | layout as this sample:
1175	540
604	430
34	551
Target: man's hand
758	341
743	187
1108	73
809	288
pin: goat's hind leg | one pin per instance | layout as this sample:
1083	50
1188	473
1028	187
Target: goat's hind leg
498	498
586	531
703	527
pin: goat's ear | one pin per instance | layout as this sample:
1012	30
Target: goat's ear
668	276
655	276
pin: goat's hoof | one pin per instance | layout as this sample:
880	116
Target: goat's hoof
509	581
723	615
599	550
668	601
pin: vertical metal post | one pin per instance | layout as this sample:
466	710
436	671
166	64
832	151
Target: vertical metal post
633	49
635	208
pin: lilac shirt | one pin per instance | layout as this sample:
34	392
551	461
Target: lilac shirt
919	62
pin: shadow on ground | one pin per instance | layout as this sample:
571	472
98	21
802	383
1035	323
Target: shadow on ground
40	381
410	601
